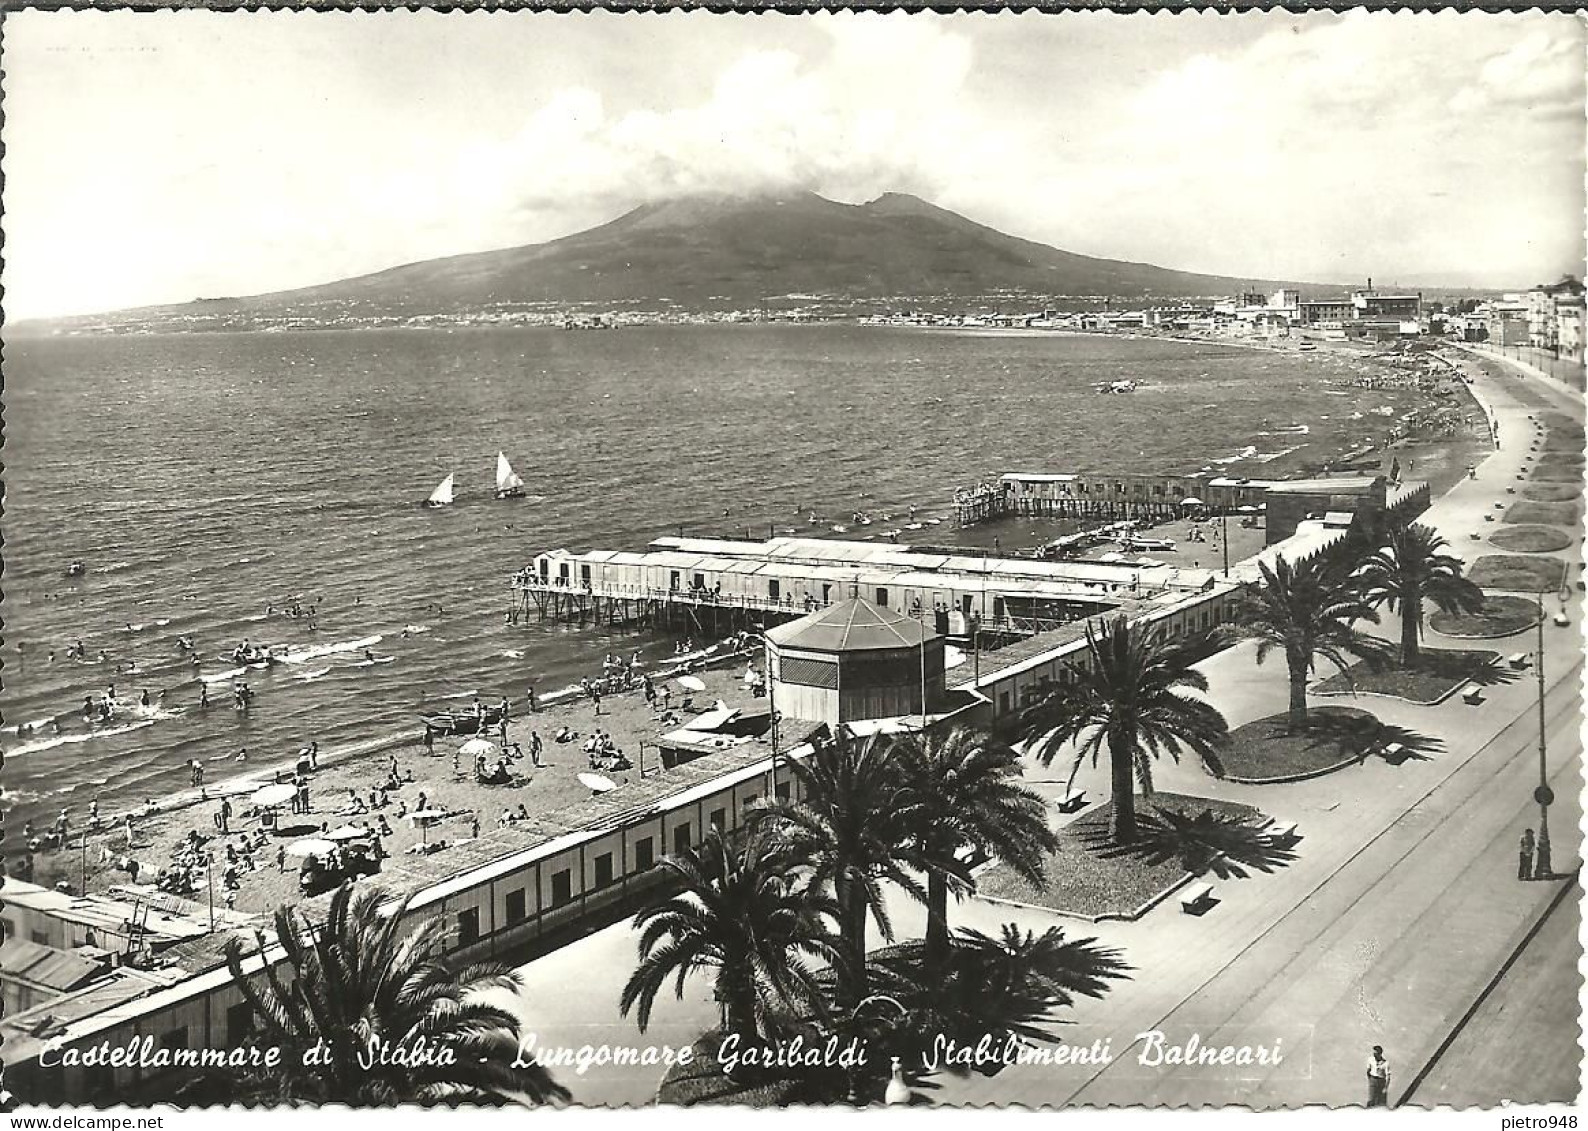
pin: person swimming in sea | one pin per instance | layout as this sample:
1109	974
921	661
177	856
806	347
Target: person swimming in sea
369	656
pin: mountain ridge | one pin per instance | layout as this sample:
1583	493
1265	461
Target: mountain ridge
714	252
715	248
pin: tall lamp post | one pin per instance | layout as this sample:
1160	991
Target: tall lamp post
1545	796
771	705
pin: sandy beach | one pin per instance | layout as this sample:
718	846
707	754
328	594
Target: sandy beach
444	779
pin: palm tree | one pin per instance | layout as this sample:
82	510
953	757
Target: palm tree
855	829
359	986
966	796
1414	566
745	913
1308	611
1129	699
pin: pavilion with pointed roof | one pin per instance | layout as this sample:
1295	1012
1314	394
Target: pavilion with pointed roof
855	660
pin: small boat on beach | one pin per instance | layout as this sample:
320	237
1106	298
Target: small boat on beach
442	495
1141	545
461	722
508	483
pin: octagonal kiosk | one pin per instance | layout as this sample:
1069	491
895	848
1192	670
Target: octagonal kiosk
852	661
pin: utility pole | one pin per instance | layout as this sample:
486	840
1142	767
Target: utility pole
1224	536
1543	794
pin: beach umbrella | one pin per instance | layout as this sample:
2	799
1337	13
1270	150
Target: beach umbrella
347	832
477	746
596	783
424	818
310	846
690	683
273	795
1190	501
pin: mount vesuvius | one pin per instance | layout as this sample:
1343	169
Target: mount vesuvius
711	251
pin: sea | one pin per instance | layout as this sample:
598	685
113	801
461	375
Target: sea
208	482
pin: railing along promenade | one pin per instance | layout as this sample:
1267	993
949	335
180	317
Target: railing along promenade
1566	370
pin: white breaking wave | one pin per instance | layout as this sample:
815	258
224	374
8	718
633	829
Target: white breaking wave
72	739
34	725
1245	453
314	674
415	629
222	677
1268	457
315	651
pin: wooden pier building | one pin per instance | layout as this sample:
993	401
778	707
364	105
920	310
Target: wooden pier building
722	586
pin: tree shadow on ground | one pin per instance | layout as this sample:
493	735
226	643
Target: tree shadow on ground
1493	673
1227	845
1369	734
1006	986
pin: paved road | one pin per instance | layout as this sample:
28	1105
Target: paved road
1522	1041
1393	950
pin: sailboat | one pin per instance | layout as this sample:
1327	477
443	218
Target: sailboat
442	495
508	483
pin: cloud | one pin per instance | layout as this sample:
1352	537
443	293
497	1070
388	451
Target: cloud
1327	147
877	110
1268	145
1544	71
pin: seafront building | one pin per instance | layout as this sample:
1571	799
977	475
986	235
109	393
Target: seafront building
1365	501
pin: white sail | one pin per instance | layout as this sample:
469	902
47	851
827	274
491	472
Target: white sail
506	478
442	495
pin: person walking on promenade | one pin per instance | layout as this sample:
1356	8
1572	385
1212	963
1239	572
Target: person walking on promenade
1524	864
1378	1078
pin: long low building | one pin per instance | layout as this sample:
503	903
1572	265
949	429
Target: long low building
791	576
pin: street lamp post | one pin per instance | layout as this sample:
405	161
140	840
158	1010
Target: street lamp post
771	707
1543	794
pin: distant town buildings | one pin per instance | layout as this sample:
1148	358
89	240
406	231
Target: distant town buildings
1555	316
1365	314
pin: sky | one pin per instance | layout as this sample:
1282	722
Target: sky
162	157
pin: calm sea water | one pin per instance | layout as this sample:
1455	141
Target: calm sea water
203	478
